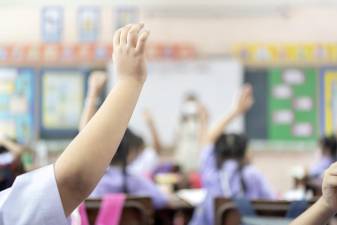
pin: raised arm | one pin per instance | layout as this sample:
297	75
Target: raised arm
15	149
97	82
326	207
148	118
85	160
203	128
244	103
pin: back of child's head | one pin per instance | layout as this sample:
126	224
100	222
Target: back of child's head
230	146
129	143
328	145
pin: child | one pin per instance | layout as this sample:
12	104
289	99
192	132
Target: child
326	207
50	194
118	177
328	147
225	169
10	161
190	136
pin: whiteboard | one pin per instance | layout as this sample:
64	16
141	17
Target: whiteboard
215	81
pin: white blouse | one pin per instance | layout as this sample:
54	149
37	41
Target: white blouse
33	199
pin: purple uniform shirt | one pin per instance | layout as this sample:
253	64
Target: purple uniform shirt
33	199
227	182
112	182
321	165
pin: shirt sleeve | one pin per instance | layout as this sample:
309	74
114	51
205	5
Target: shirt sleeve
33	199
141	186
208	169
264	189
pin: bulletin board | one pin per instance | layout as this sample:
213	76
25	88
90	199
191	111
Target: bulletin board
328	100
293	104
17	103
62	98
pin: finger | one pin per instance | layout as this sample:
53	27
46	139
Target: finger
133	35
332	172
117	37
332	181
124	34
141	43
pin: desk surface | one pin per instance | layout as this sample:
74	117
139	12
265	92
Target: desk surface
265	221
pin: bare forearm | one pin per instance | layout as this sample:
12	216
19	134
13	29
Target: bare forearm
90	153
89	110
13	148
155	136
318	214
218	129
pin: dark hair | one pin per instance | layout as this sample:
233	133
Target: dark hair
328	145
232	146
130	142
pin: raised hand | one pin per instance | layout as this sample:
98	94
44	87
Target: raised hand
97	81
329	187
129	53
245	101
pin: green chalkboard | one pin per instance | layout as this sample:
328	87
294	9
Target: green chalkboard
292	104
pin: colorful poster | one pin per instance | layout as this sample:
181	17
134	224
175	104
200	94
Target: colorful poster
17	104
126	15
88	22
62	100
329	100
292	104
52	24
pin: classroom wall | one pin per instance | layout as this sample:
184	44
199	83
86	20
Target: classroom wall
210	35
277	166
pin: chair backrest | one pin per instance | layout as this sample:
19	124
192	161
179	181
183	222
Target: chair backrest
227	214
270	208
136	211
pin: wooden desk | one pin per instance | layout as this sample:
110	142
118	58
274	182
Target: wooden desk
225	208
265	221
136	211
178	212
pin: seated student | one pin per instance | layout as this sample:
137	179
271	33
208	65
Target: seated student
326	207
49	195
146	161
147	158
118	177
10	161
328	147
225	169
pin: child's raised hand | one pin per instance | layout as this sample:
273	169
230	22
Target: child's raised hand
97	81
147	116
329	187
246	99
129	53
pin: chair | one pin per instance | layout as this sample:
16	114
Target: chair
262	208
136	211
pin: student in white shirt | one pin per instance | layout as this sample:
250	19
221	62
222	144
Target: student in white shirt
48	196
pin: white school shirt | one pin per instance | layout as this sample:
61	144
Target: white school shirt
33	199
